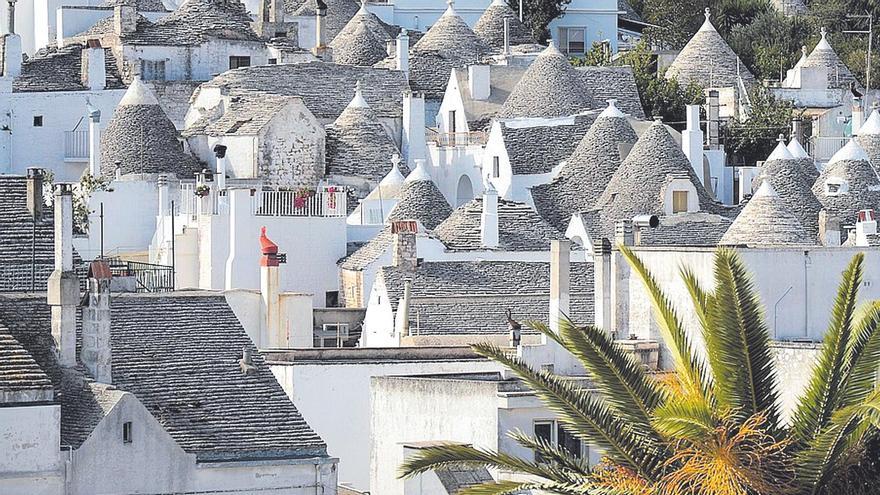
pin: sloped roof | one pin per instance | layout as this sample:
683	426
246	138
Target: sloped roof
794	189
472	297
361	41
19	372
142	139
537	149
686	229
60	69
635	188
339	13
380	29
862	186
420	200
490	26
324	87
451	34
142	5
824	56
357	143
549	88
194	23
587	171
369	252
519	228
766	221
708	61
246	115
178	354
618	82
868	138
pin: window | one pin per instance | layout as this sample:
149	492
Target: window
126	432
273	61
235	62
38	121
572	41
451	123
331	335
496	167
679	201
551	432
331	299
153	70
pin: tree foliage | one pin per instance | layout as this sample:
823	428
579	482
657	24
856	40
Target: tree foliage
537	15
713	426
755	137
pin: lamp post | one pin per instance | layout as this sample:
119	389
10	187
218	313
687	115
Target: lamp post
870	33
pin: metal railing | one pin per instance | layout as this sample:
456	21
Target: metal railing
149	277
76	145
328	202
451	139
823	148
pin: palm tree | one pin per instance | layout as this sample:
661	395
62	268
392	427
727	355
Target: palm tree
711	426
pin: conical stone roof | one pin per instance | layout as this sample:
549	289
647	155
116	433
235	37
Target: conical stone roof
142	139
339	13
420	200
550	87
847	184
452	34
357	143
766	221
794	189
824	56
588	170
374	25
637	185
868	138
490	26
357	45
708	61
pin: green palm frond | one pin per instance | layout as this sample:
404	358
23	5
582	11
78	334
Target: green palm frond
822	395
586	417
687	364
863	356
684	417
738	344
846	428
505	487
555	455
619	375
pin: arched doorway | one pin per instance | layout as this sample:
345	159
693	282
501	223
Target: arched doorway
464	192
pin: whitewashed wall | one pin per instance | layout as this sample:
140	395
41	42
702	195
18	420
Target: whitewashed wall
31	461
130	211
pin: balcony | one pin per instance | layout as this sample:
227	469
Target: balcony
453	139
76	146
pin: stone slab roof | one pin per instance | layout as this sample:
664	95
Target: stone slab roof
586	172
539	148
420	200
358	145
472	297
246	115
142	5
794	188
324	87
18	233
708	61
179	355
60	69
339	13
766	221
618	83
356	44
369	252
490	26
194	23
19	372
687	229
850	167
519	228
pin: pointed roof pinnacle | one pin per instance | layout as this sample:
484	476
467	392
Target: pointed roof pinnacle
393	176
450	10
872	125
796	150
852	151
420	173
358	101
823	43
781	152
611	110
138	94
707	24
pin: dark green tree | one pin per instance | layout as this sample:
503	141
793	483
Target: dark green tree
755	137
537	14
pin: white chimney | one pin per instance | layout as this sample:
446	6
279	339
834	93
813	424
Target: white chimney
96	352
94	72
401	322
560	281
240	204
220	153
489	217
692	141
11	55
829	229
479	82
506	37
858	115
413	144
164	196
270	283
35	193
62	292
94	139
402	52
125	18
865	226
10	16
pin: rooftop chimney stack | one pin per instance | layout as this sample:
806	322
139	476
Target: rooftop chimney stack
506	50
95	138
35	193
489	217
125	17
403	250
164	195
560	281
63	287
413	144
321	50
858	115
220	153
692	141
402	318
94	72
713	120
96	352
402	52
10	44
270	283
829	229
480	82
10	16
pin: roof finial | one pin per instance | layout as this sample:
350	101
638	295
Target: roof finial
708	14
804	50
823	32
781	139
358	101
658	120
395	160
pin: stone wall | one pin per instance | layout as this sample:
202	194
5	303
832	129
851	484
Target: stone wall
291	150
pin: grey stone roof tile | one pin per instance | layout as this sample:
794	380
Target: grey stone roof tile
19	372
369	252
766	221
194	23
519	228
794	188
687	229
357	143
824	56
60	69
490	26
586	172
550	87
851	168
246	116
142	5
324	87
339	13
420	200
537	149
708	61
361	41
617	83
